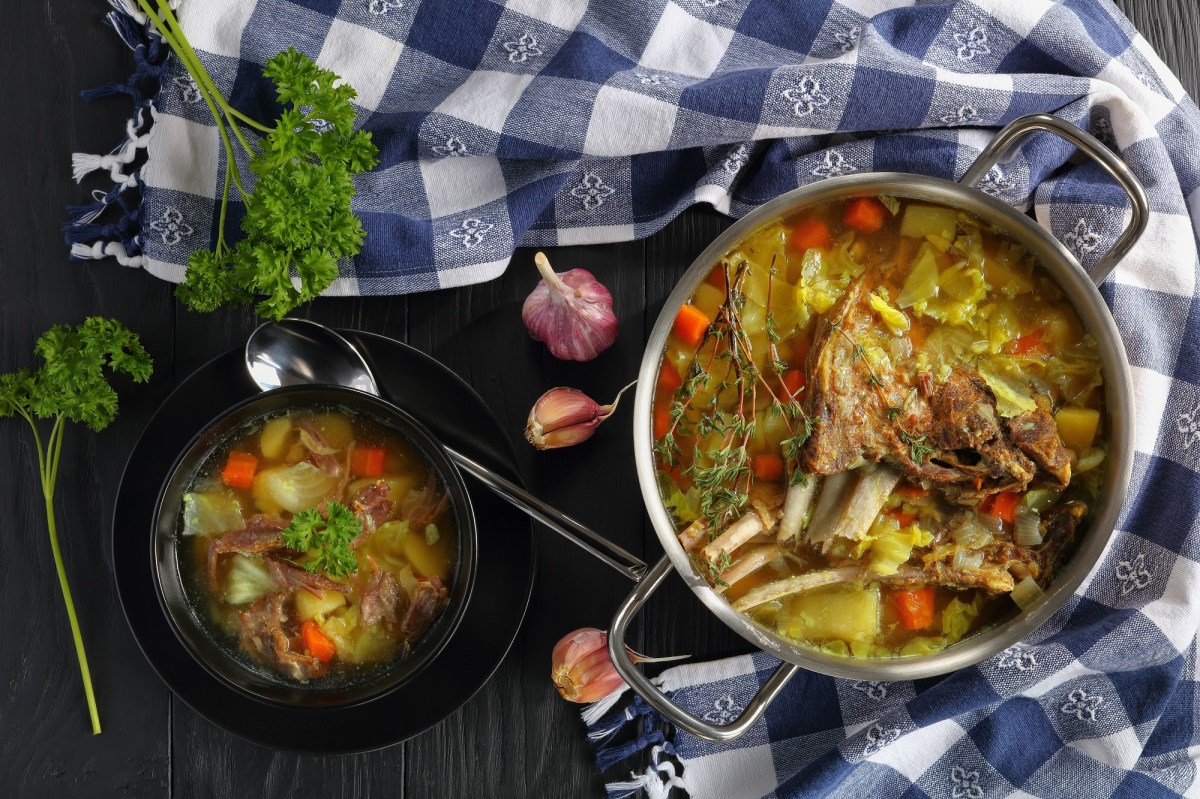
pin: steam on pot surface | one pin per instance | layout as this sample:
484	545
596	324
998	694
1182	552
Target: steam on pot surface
317	545
878	425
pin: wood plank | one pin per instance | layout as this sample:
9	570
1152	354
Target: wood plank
48	749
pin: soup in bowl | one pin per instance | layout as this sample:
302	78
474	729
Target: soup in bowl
315	544
879	425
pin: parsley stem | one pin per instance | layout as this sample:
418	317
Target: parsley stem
224	206
49	459
196	67
202	90
183	49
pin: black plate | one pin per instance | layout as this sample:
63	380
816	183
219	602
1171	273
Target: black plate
504	580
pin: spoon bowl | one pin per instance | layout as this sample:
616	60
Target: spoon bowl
294	352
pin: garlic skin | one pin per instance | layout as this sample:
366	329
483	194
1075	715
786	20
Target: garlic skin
563	417
581	669
570	312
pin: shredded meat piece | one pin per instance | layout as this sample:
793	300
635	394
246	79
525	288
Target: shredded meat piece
421	506
925	385
324	461
261	534
372	505
289	576
296	665
382	600
264	637
426	602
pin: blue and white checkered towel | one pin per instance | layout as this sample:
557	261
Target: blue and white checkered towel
544	122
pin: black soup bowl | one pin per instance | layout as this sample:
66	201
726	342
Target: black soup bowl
185	605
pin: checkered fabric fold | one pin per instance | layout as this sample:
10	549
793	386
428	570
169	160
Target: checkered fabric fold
547	122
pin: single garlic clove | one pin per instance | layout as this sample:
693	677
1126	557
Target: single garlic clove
580	666
565	416
582	670
571	312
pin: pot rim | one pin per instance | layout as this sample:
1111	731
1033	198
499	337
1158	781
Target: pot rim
1093	312
278	693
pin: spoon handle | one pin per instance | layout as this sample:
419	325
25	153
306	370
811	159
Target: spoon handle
599	546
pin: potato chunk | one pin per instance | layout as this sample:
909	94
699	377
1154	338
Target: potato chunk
274	438
850	615
308	606
1077	427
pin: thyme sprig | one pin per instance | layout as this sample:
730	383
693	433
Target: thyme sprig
723	473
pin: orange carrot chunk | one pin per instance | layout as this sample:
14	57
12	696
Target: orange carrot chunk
662	421
767	467
691	325
914	607
318	644
911	491
669	379
794	381
810	233
239	470
1003	506
864	214
368	461
905	519
1031	344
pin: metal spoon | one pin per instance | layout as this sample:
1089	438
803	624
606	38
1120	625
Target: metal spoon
299	352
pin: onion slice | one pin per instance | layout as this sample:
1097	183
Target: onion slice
1026	593
1027	530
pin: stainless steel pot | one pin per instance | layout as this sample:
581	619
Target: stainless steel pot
1079	286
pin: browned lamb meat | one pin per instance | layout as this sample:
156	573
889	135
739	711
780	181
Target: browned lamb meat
264	637
1036	435
426	603
382	600
319	451
949	434
261	534
287	576
849	401
1058	539
373	506
421	506
965	403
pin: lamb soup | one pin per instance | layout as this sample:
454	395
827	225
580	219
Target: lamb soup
878	426
317	545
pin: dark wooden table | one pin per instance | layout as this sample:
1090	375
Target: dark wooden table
515	737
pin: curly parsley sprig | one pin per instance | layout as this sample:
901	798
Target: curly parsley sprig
298	219
71	387
326	538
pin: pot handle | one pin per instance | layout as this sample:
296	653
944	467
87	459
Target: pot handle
656	698
1094	149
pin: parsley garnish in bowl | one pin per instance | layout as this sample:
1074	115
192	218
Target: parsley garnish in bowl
326	538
